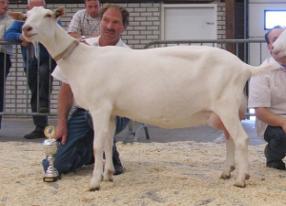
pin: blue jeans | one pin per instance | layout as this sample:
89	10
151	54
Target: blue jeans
78	150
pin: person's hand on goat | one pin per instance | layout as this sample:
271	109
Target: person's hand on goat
280	59
24	42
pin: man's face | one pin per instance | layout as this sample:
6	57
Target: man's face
92	7
35	3
111	25
272	36
3	6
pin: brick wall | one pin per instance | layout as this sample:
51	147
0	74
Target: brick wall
144	27
220	20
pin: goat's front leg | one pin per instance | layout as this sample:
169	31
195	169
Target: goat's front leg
109	167
101	121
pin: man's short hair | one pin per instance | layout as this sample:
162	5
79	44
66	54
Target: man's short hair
90	0
266	35
29	1
123	11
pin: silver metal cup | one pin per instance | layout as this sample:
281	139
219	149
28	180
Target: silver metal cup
50	149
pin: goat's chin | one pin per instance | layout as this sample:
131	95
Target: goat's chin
29	37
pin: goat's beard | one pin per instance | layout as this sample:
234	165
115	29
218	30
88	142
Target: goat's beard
36	49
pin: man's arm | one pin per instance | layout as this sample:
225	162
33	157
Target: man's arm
75	35
65	102
265	115
74	26
14	33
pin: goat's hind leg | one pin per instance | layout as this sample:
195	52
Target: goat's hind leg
215	121
241	154
240	138
229	162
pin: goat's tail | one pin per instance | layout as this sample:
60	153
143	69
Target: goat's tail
264	67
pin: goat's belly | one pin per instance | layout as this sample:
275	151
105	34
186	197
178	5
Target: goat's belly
170	121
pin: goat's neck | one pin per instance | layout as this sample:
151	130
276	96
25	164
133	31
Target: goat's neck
60	42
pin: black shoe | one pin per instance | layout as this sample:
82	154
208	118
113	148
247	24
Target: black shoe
35	134
280	165
118	168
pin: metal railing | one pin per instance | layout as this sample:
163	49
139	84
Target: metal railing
17	94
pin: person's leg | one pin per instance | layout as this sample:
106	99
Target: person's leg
276	148
45	87
78	150
5	65
40	121
121	123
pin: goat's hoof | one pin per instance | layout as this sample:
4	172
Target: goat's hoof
108	179
225	176
108	176
92	189
247	176
240	184
94	184
232	168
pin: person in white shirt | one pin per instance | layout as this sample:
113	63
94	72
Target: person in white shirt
267	94
85	22
76	132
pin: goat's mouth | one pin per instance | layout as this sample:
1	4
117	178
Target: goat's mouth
29	36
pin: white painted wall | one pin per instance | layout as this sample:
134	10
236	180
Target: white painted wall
189	21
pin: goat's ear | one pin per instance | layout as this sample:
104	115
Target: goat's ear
17	16
59	12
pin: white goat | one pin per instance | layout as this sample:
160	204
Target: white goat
173	87
279	46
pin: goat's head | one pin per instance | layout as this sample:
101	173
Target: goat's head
279	46
40	23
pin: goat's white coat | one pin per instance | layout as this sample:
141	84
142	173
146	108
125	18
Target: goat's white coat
172	87
279	46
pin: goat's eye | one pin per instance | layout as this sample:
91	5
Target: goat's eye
48	15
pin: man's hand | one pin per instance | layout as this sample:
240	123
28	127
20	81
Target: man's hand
284	126
24	42
278	56
62	131
75	35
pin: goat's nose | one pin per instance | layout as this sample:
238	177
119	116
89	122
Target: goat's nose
27	28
